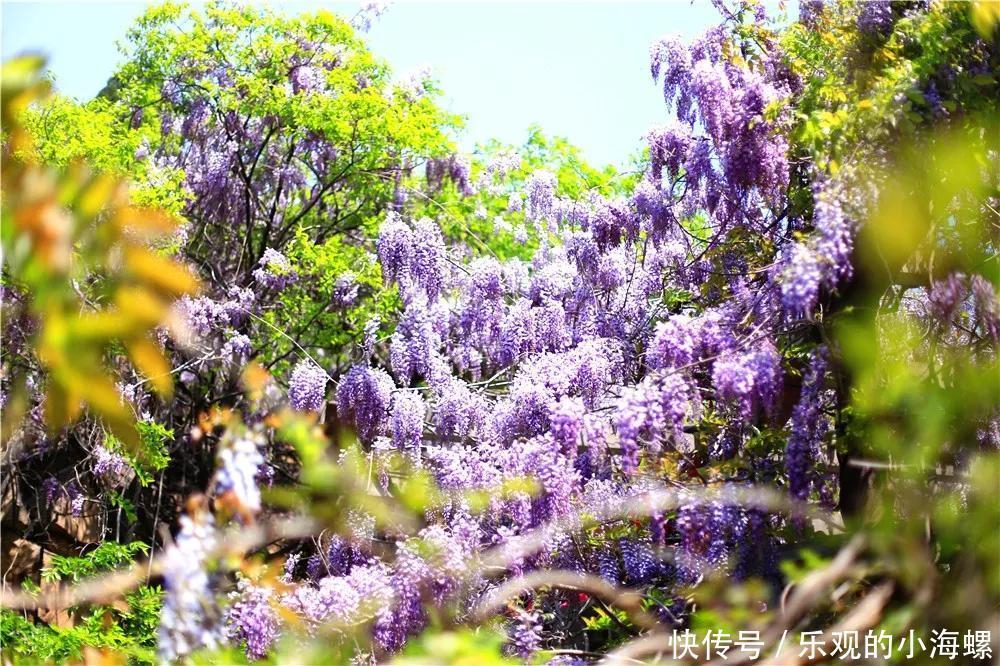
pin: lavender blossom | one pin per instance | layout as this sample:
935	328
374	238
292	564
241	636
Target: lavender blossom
639	562
112	467
540	190
567	422
307	386
875	17
363	396
77	498
675	343
710	532
251	620
945	297
800	281
408	411
51	489
650	413
274	270
810	11
306	78
368	14
668	148
526	635
185	626
238	347
734	380
345	290
807	430
429	263
987	307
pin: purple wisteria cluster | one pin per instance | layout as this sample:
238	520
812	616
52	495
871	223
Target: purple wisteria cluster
274	271
808	427
648	340
571	371
823	261
307	386
52	490
456	168
206	316
875	17
111	467
363	397
251	619
557	385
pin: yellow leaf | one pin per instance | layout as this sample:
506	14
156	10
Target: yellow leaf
97	195
255	378
896	228
151	362
102	395
145	220
55	334
984	15
101	326
21	84
122	426
50	227
141	304
62	406
11	414
102	657
21	72
163	273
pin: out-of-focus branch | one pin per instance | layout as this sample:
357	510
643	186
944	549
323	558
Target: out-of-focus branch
651	644
627	600
804	597
865	616
813	586
104	589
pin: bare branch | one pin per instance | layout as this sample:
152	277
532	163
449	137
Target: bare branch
627	600
103	589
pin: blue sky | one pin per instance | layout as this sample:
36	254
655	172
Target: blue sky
579	70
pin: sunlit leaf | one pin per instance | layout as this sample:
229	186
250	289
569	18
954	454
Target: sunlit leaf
97	195
160	272
141	305
148	222
984	14
151	362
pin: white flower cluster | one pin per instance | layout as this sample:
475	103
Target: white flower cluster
239	459
185	623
